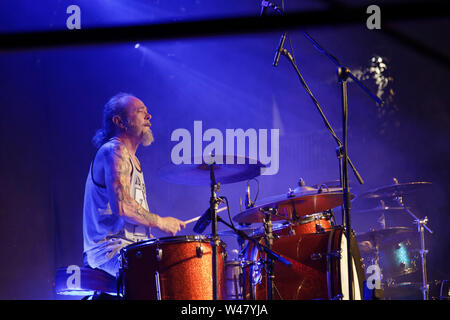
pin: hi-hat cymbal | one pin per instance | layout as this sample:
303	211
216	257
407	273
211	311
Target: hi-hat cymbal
394	190
384	235
227	169
292	205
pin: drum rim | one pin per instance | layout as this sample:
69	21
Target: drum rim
305	219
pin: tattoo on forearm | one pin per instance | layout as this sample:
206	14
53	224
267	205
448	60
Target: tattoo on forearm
122	172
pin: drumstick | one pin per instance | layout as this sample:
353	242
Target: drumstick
196	218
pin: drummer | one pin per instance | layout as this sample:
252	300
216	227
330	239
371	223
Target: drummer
116	212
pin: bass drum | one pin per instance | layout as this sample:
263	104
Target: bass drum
319	268
171	268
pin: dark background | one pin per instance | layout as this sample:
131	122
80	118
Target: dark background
51	104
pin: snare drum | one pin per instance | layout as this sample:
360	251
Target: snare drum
319	271
171	268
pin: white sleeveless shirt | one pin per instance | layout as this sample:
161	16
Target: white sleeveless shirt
105	232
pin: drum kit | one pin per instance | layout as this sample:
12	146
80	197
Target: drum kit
299	252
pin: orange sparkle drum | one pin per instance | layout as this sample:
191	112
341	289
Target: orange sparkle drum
319	268
313	223
171	268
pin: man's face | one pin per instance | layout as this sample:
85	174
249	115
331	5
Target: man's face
138	121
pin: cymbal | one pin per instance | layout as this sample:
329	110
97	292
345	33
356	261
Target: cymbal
227	169
248	230
384	235
381	210
394	190
303	202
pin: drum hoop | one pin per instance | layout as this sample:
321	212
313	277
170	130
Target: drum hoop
313	217
330	264
334	263
176	239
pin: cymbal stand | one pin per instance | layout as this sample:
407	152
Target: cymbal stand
421	227
213	206
271	255
344	160
268	239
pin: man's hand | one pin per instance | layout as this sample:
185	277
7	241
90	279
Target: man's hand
170	225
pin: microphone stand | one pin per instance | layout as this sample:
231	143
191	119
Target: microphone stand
213	205
343	75
342	149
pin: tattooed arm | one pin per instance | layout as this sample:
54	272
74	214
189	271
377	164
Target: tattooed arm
117	179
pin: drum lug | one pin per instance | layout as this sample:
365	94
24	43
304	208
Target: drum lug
123	262
335	254
199	251
159	254
319	228
316	256
158	286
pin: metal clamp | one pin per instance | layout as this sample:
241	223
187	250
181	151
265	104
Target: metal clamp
199	251
159	254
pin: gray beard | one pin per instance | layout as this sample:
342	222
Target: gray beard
147	138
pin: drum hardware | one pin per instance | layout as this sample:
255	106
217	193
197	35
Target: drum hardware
268	236
344	161
199	251
159	253
421	226
319	228
158	286
202	172
268	239
333	254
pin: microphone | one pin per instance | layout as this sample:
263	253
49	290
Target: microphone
203	222
279	49
264	5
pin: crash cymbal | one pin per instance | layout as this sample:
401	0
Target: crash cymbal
227	169
384	235
380	211
394	190
292	205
